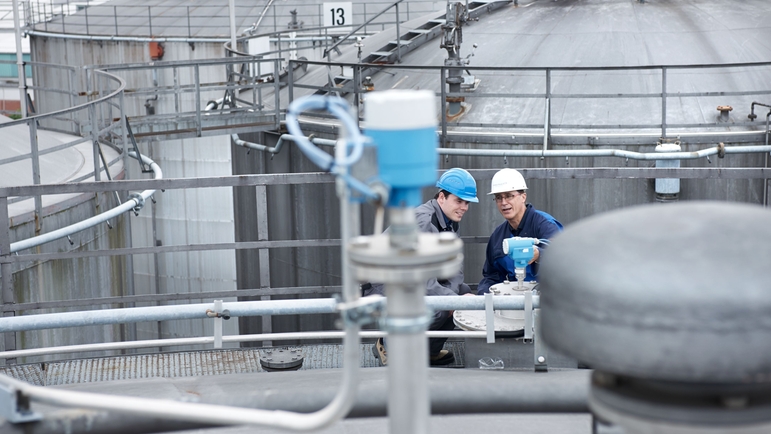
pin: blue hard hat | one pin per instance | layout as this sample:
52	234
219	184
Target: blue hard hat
460	183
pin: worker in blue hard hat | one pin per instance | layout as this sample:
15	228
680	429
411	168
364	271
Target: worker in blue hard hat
443	213
509	191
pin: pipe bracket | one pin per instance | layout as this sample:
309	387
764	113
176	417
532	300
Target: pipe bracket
363	311
14	406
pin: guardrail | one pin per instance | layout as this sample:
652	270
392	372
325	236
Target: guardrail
96	18
536	91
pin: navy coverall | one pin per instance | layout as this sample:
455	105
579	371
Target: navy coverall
499	267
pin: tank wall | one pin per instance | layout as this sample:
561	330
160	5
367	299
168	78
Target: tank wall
179	217
72	279
295	212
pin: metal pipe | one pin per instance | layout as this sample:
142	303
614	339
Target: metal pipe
702	153
128	205
276	149
453	392
206	340
409	405
237	309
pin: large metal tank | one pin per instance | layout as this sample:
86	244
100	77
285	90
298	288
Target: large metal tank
600	33
116	33
56	279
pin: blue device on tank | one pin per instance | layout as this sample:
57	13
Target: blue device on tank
520	250
407	162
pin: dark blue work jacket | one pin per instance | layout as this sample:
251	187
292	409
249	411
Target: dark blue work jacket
499	267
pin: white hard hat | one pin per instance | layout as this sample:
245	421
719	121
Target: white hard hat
507	180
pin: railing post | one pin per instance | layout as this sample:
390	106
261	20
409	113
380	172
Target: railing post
277	90
356	87
197	74
175	73
290	85
189	34
663	102
85	12
150	20
258	88
264	254
115	15
398	37
6	279
36	174
547	113
443	105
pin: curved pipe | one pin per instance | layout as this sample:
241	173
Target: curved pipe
276	149
702	153
128	205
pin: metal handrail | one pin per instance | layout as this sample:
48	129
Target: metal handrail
360	26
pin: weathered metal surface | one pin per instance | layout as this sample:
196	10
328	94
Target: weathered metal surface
187	364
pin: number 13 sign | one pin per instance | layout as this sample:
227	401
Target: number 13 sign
338	15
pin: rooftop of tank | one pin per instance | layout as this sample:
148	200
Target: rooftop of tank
235	377
595	34
63	165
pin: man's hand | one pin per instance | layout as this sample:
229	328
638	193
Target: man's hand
536	255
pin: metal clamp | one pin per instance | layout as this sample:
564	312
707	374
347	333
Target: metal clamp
140	202
363	311
225	314
14	406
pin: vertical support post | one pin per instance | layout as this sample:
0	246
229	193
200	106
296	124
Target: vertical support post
189	32
20	61
127	235
356	88
115	15
258	87
547	113
663	102
9	338
261	194
528	315
175	73
489	318
232	13
218	324
197	74
365	18
36	175
95	145
540	351
398	37
85	12
278	41
443	106
290	85
72	96
150	20
277	92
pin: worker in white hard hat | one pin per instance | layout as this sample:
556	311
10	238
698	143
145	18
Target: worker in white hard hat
509	191
443	213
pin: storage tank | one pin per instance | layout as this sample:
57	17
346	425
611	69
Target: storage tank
37	283
661	39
